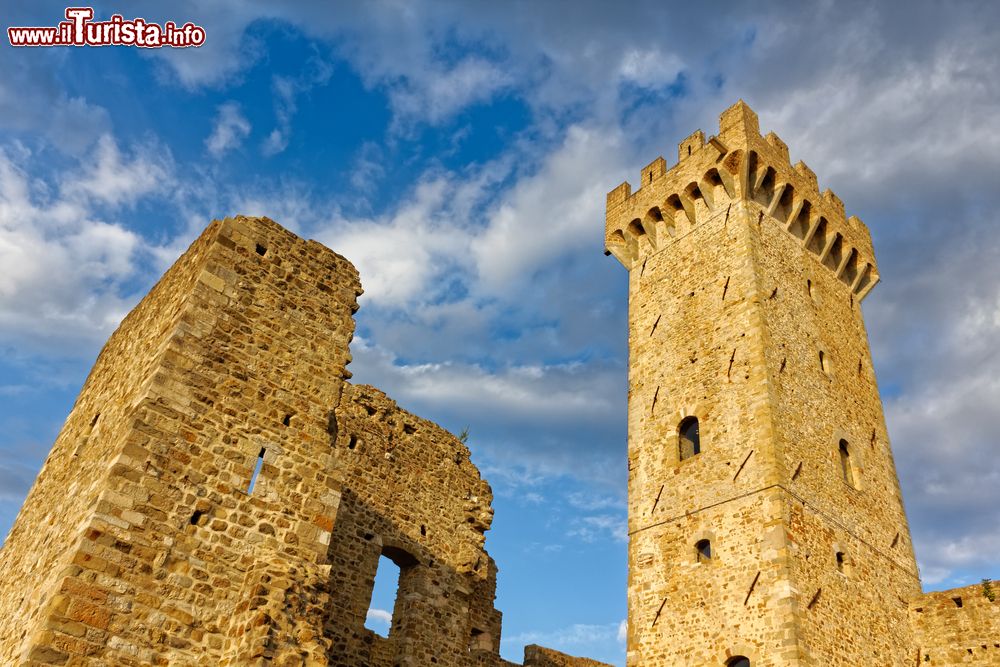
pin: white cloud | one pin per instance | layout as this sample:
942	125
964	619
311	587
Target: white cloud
650	68
399	256
109	177
231	128
380	616
317	72
569	637
66	269
554	212
437	95
599	527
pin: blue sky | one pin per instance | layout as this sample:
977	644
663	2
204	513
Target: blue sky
459	154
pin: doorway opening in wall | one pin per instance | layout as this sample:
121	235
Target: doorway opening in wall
738	661
383	603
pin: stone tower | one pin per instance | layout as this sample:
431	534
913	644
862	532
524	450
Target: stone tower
765	517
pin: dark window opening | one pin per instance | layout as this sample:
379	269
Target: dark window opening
480	640
196	517
841	561
353	442
846	464
703	551
689	438
287	420
256	471
261	250
738	661
958	602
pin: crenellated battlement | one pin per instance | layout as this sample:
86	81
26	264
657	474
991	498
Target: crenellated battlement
738	165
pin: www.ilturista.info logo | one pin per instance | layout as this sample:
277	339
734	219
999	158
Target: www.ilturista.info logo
80	30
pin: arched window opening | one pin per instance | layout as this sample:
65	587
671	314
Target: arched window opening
738	661
703	551
846	464
635	228
818	240
800	226
784	207
689	438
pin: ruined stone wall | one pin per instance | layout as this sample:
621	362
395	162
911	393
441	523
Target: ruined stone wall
741	274
957	627
410	493
163	555
537	656
221	496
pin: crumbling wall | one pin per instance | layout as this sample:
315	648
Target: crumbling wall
220	495
410	493
957	627
537	656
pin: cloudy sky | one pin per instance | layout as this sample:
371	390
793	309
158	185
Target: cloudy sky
459	154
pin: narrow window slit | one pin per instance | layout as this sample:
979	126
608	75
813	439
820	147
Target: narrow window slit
287	420
353	442
256	471
261	250
846	464
196	517
815	599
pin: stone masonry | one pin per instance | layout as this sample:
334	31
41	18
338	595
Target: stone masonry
221	494
147	538
766	522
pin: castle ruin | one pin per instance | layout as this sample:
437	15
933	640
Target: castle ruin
221	494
